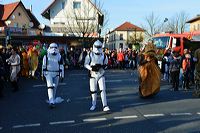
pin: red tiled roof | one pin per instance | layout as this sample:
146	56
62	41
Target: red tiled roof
128	26
9	9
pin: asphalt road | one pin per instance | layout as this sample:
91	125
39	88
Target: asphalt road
26	111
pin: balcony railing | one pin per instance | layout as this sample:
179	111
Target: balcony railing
12	31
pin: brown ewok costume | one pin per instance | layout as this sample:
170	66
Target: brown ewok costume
149	73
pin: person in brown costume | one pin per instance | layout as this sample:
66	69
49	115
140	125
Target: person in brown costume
149	72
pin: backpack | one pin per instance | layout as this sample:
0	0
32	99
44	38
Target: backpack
175	65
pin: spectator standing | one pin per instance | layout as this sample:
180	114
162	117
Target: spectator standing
120	58
14	62
174	70
186	66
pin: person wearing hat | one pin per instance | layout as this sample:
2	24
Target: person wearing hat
186	66
149	73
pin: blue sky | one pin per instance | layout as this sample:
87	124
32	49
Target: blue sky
133	11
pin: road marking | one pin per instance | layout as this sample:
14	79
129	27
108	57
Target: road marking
61	122
179	114
153	115
109	81
100	119
126	117
27	125
1	128
44	85
95	119
134	104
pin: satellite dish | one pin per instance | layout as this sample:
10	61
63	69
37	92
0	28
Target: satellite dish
13	17
31	24
41	26
8	22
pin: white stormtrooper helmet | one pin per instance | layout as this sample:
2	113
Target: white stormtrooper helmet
97	47
53	49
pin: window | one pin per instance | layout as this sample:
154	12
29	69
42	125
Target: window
19	14
63	5
121	45
178	42
121	37
61	23
161	42
76	5
113	45
194	27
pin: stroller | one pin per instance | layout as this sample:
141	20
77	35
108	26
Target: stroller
196	92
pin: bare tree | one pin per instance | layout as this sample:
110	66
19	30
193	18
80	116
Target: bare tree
152	25
86	21
177	24
135	39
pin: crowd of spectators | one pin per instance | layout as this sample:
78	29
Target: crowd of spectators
176	69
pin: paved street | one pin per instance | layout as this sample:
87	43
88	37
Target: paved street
26	111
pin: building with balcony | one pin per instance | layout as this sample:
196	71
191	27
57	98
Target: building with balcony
74	18
124	36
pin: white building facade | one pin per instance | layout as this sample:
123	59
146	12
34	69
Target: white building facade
74	17
120	37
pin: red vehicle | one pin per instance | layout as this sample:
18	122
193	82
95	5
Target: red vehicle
170	41
177	42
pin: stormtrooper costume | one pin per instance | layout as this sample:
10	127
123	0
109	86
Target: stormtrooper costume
52	69
96	62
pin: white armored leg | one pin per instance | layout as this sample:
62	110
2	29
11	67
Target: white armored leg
50	86
55	84
102	88
93	90
50	95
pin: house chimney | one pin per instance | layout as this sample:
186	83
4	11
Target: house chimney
31	8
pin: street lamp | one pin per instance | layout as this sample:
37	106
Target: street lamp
165	20
163	26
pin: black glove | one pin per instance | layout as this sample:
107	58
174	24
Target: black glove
95	68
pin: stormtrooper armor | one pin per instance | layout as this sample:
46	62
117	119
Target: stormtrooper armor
96	62
52	69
